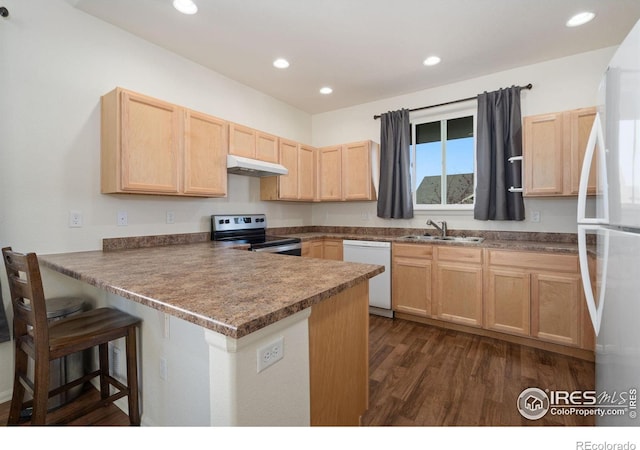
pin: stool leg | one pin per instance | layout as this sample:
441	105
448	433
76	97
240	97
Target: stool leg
40	391
132	377
103	360
17	398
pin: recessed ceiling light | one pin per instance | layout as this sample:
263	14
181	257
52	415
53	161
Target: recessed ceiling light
281	63
580	19
326	90
185	6
431	61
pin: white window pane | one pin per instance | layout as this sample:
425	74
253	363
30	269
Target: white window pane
428	173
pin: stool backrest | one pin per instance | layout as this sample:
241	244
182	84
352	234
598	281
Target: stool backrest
27	297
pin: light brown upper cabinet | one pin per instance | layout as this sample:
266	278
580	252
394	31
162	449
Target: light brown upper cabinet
357	173
345	172
307	172
554	146
149	146
581	121
205	157
330	173
299	184
254	144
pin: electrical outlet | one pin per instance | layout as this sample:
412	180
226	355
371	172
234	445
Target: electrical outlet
75	219
123	220
171	217
535	216
116	363
164	369
270	354
165	326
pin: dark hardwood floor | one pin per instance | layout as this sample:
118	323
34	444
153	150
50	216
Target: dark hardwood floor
427	376
422	375
109	415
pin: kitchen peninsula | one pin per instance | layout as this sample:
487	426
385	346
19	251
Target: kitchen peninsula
208	311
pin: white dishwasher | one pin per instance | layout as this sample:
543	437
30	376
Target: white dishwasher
373	252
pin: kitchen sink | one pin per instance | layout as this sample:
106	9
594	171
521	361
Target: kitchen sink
462	239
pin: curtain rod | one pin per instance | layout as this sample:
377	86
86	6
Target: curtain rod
528	86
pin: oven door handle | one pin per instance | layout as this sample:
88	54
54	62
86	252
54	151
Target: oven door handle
278	248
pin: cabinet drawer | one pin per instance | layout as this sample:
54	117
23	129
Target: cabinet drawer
413	250
533	260
459	254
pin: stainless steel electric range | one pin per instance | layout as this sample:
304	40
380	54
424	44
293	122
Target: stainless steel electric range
252	229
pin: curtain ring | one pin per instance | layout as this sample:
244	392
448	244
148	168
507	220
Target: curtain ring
4	12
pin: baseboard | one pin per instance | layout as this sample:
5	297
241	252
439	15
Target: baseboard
5	396
587	355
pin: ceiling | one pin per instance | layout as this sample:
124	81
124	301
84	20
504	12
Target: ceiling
366	50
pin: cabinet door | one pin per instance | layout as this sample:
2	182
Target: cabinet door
581	121
205	155
459	293
316	249
151	144
411	286
288	184
356	171
266	147
507	303
242	141
332	249
556	309
306	172
330	171
543	154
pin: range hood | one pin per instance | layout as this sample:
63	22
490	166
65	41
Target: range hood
240	165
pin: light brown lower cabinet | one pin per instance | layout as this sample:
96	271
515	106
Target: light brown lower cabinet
544	286
324	248
536	297
332	249
411	279
458	285
508	304
556	307
312	249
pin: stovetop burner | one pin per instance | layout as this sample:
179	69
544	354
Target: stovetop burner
251	229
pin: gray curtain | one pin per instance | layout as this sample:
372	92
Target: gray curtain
394	191
499	137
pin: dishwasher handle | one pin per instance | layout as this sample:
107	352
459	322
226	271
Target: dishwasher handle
357	243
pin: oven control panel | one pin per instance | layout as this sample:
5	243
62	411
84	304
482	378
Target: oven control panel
239	222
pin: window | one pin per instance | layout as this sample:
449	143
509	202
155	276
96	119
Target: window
443	162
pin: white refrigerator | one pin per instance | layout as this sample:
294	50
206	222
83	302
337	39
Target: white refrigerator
609	238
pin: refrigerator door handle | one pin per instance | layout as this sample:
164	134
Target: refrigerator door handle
595	311
596	140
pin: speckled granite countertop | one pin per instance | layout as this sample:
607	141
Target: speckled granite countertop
227	290
541	242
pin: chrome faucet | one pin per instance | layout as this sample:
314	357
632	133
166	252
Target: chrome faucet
442	228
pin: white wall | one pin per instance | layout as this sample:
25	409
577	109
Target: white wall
558	85
56	63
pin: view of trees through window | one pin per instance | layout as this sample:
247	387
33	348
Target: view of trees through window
444	147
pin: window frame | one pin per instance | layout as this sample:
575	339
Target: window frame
439	117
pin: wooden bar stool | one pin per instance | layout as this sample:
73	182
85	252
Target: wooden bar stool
44	341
